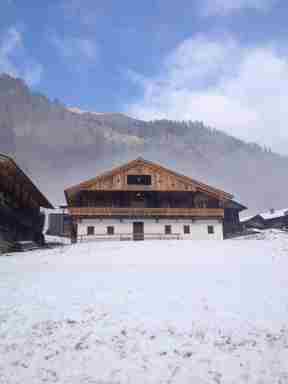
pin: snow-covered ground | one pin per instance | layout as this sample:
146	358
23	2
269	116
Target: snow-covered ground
147	312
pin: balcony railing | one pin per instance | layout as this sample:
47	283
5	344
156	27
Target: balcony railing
145	212
128	237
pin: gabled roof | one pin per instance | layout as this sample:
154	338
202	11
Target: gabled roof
8	169
196	185
274	213
268	215
246	219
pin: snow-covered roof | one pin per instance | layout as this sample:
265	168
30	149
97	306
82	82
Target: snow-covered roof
267	215
246	218
274	213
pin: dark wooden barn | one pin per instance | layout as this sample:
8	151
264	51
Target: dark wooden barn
274	218
256	222
20	202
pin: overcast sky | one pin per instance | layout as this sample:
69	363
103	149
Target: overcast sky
221	61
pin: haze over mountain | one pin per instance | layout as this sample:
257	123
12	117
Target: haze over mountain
59	146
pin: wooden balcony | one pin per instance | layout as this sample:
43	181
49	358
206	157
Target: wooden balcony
145	212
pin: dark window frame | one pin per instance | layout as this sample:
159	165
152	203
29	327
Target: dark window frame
210	229
90	230
186	229
139	196
139	180
110	230
168	229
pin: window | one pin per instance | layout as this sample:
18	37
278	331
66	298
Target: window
168	230
139	196
210	229
186	229
139	180
110	230
200	201
90	231
201	204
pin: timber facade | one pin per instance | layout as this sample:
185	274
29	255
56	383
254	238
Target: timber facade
20	203
143	200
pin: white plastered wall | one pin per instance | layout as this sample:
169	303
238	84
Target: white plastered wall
153	229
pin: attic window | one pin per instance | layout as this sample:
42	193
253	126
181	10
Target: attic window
139	180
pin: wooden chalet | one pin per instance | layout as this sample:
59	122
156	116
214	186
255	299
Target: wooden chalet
20	202
143	200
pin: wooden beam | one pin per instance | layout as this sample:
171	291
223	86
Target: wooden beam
146	212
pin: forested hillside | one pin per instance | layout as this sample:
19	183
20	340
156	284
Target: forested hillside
59	146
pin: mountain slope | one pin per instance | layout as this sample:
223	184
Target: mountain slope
60	146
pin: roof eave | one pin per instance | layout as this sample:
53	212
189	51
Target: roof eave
43	201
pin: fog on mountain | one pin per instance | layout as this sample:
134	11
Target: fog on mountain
61	146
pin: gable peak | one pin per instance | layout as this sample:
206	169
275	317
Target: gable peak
140	158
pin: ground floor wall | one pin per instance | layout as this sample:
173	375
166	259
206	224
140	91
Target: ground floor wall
124	229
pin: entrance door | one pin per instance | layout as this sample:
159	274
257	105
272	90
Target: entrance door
138	230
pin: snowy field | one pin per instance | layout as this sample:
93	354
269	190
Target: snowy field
148	312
